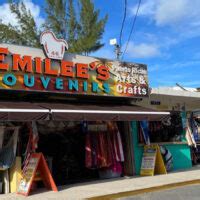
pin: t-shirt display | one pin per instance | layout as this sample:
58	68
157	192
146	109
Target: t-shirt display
168	130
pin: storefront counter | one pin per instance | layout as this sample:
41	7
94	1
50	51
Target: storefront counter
180	152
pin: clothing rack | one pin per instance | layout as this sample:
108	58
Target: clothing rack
97	127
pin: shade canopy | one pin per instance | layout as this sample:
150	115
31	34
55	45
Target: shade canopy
24	111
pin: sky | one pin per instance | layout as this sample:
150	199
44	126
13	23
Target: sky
166	36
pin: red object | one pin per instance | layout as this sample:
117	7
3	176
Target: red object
104	148
37	163
88	153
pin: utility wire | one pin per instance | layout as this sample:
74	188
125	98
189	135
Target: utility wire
134	20
123	21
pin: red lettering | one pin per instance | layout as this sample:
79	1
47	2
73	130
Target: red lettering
38	65
103	73
3	52
93	65
48	69
66	68
82	70
25	63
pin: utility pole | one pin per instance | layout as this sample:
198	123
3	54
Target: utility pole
118	52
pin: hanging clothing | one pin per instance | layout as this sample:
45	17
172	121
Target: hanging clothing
194	127
97	153
32	142
103	147
189	136
35	136
116	141
116	147
145	130
88	154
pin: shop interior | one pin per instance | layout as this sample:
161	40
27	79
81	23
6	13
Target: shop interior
76	151
167	130
168	133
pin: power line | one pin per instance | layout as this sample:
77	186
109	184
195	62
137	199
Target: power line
134	20
123	21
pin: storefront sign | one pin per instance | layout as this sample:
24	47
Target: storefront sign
36	164
152	161
156	103
54	48
28	176
29	69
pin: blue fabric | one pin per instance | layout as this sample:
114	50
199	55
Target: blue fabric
145	130
6	158
194	128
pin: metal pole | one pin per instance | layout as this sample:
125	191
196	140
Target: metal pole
118	51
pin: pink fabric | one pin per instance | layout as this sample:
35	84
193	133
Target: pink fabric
107	152
88	152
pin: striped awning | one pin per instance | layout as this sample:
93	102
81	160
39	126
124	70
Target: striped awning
93	112
24	111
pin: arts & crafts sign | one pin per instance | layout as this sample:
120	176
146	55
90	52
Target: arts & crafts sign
56	71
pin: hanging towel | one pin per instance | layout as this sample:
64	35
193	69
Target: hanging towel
35	136
145	131
116	141
104	153
189	136
118	147
194	127
88	150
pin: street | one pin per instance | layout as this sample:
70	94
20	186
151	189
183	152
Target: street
191	192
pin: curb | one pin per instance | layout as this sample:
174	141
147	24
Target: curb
145	190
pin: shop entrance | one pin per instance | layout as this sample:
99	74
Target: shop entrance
85	151
64	142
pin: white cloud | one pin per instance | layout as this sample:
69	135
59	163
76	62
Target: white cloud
171	12
35	11
174	21
172	78
191	64
143	50
167	42
162	40
147	8
194	64
8	17
168	12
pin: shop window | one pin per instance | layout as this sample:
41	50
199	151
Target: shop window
168	130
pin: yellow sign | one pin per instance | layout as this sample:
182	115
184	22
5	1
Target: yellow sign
152	161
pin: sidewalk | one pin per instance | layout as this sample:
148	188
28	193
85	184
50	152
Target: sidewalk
114	186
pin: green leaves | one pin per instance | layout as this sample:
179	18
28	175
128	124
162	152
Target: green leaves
25	33
91	28
56	19
81	28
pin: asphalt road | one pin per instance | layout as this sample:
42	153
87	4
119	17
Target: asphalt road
191	192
